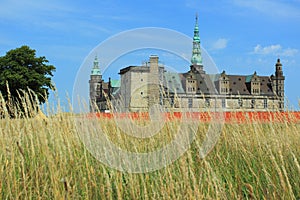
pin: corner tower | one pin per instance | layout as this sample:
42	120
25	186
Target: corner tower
278	83
95	84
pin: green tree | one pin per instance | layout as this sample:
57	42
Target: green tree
21	70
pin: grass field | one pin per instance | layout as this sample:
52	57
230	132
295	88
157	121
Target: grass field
45	159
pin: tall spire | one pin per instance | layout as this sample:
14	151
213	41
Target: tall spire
96	68
196	56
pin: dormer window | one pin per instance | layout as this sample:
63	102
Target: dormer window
255	84
223	83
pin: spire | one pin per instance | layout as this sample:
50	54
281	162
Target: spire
96	68
196	56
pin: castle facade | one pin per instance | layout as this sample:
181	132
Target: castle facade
141	87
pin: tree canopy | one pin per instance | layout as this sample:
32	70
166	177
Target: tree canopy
21	70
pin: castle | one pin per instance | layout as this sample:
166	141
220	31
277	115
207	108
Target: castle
140	87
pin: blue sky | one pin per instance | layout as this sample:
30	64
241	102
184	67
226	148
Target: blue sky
241	36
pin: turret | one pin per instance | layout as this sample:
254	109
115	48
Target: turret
278	72
278	83
95	85
278	79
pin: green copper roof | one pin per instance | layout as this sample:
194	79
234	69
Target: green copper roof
115	83
248	78
196	56
96	68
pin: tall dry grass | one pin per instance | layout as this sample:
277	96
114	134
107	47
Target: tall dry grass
45	159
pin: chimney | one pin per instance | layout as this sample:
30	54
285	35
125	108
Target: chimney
153	83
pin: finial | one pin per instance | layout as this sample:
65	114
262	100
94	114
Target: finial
278	58
196	17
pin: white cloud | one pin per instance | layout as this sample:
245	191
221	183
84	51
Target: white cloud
267	49
220	44
290	52
274	50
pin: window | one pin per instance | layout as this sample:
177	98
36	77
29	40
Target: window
240	101
207	102
255	91
142	79
190	102
172	101
224	90
223	103
252	103
265	103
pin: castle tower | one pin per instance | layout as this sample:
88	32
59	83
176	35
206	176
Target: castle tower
278	83
95	85
196	60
